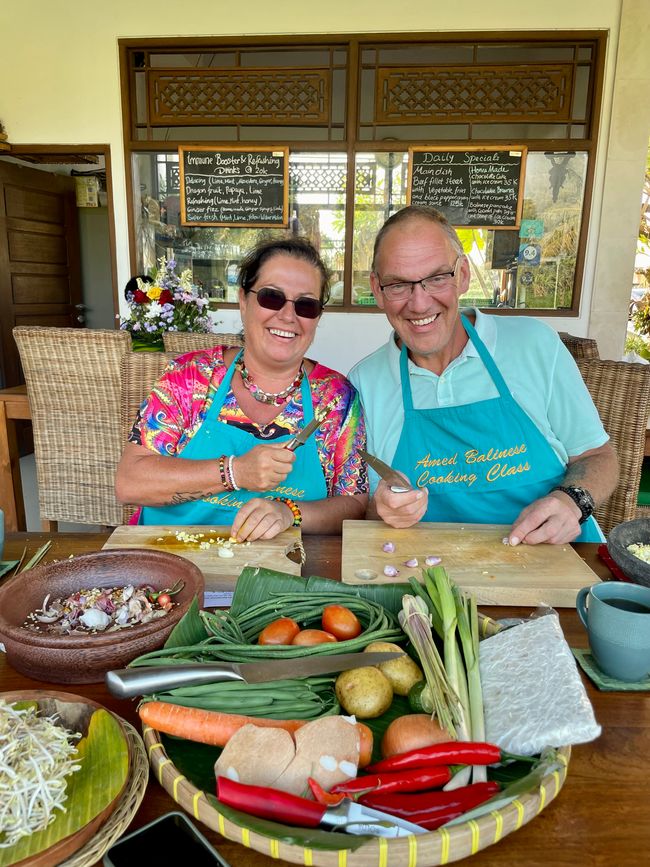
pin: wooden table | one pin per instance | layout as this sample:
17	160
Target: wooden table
601	817
13	405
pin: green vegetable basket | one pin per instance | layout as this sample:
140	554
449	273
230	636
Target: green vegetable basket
319	847
281	841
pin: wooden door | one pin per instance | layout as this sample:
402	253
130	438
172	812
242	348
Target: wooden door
40	280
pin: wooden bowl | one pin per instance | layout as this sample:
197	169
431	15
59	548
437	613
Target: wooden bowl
72	712
628	533
84	658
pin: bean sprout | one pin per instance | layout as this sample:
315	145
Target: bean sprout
36	756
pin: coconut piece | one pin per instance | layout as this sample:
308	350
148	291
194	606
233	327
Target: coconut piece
327	749
256	756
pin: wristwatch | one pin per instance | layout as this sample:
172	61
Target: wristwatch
581	497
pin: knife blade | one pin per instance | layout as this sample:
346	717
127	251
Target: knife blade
397	481
281	806
129	682
303	435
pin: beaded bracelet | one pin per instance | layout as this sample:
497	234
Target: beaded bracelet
225	481
295	511
231	473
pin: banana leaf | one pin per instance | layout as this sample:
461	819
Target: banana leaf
257	584
189	629
104	758
196	762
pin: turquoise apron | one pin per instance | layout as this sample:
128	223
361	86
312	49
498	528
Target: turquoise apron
305	481
481	463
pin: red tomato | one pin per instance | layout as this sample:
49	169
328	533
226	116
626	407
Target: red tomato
281	631
341	622
312	636
164	600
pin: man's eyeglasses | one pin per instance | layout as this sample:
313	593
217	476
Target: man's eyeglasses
275	299
432	285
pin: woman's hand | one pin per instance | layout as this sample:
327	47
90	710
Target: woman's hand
261	519
263	467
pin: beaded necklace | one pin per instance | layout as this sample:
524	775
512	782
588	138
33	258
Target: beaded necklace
275	398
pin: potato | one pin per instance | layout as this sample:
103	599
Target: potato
364	692
402	672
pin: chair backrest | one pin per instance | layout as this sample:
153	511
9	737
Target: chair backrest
187	341
621	392
139	373
580	347
73	385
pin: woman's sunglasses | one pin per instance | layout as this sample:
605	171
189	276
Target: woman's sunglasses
275	299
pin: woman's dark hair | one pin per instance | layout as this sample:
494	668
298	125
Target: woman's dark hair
132	285
298	248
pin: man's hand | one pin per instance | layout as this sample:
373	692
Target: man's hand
554	518
261	519
400	510
263	467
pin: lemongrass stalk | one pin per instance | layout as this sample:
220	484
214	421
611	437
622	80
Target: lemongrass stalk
467	614
414	619
453	660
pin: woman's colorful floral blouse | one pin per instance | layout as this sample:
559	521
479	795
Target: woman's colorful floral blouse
178	404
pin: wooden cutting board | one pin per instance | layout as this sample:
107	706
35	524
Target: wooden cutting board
475	558
220	573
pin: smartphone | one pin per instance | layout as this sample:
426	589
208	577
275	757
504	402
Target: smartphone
170	839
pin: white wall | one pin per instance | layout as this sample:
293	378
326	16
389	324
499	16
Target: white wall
60	73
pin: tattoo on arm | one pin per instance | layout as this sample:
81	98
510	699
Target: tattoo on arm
189	497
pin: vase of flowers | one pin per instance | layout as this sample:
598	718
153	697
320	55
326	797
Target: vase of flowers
170	303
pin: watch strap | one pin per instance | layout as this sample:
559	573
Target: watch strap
581	497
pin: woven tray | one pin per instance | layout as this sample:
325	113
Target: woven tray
435	847
127	806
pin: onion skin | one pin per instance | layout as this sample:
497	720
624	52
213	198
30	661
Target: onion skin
411	732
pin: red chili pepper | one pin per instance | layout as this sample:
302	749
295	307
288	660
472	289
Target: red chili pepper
450	753
323	797
417	780
432	809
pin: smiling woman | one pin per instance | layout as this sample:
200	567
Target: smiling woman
213	442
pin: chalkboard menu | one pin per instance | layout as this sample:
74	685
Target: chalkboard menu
234	187
481	187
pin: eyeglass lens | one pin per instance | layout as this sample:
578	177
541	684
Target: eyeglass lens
275	299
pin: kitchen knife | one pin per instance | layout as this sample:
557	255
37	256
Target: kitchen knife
129	682
280	806
398	482
303	435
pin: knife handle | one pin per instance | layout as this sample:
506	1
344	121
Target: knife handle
270	803
129	682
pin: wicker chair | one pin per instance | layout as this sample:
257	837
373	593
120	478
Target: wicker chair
73	385
621	392
140	371
580	347
186	341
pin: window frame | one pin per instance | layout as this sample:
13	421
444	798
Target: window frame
352	144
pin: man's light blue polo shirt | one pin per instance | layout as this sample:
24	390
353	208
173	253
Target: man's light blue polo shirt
537	367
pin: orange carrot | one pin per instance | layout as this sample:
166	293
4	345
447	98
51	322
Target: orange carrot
216	728
205	726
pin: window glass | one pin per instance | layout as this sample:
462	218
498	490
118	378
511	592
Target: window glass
533	268
317	184
380	190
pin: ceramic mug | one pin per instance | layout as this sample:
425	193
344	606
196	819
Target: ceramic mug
616	616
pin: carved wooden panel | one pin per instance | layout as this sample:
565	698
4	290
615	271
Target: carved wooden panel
226	96
491	94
